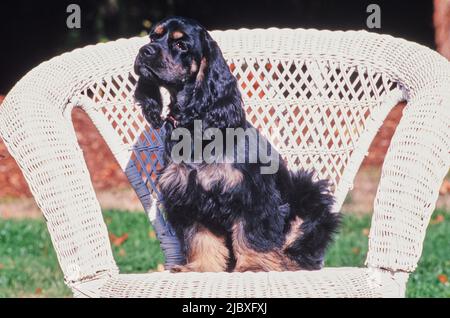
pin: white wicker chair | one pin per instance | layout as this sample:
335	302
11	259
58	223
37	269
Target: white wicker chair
319	96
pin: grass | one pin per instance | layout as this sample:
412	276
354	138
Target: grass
350	249
29	268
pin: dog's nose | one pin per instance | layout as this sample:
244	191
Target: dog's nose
148	51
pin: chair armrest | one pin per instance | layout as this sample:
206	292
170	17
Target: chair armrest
44	144
415	165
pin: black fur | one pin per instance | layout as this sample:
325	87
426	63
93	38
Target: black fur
264	203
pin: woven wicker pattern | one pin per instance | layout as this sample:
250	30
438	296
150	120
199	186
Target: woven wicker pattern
319	96
330	282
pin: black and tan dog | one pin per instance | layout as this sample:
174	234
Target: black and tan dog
229	216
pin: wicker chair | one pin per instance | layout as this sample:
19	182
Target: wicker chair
319	96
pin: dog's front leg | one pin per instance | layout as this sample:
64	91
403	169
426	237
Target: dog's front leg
206	251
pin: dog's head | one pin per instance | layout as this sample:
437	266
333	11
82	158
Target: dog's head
183	58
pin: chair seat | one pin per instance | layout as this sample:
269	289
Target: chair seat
328	282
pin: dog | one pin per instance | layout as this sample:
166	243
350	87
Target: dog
228	216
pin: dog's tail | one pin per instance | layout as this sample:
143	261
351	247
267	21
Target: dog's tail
312	201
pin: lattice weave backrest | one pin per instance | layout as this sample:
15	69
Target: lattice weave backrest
313	110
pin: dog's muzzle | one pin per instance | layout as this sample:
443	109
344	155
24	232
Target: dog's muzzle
146	56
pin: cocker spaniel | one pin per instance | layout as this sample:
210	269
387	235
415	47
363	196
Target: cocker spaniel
228	215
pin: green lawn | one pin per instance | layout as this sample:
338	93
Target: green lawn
28	265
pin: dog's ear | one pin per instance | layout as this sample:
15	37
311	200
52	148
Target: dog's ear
148	96
216	92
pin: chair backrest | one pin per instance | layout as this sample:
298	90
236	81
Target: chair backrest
319	96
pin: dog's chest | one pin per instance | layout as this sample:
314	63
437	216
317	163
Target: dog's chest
208	176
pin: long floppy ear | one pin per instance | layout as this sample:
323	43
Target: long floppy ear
148	96
216	92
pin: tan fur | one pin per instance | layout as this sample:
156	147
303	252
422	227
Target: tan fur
225	173
207	252
194	67
294	232
247	259
174	175
159	30
177	35
201	71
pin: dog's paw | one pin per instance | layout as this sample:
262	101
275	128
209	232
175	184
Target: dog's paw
181	269
196	267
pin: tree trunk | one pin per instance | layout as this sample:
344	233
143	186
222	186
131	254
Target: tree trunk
441	20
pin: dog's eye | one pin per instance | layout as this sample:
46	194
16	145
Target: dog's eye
181	46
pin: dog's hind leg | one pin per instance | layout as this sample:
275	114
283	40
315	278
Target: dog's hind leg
206	251
248	259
